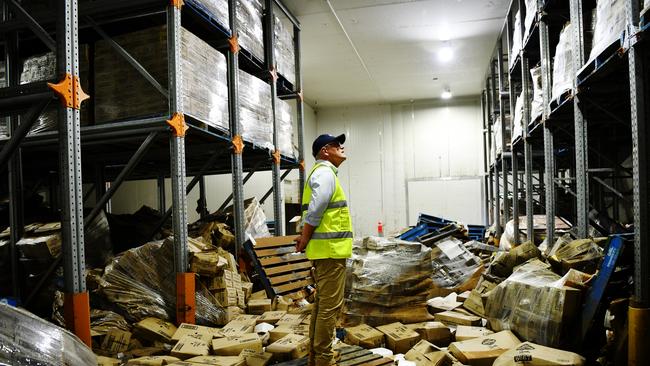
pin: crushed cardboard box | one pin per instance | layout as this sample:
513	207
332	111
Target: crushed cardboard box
365	336
197	331
291	346
254	358
465	332
531	354
439	304
232	346
259	306
282	330
291	319
426	354
108	361
218	360
152	361
399	337
454	317
271	317
189	346
116	341
237	328
484	350
155	329
434	332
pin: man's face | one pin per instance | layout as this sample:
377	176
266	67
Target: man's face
334	153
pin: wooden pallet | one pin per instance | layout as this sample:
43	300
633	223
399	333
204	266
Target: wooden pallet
282	271
350	356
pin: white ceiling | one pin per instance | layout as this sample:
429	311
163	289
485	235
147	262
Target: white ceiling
398	41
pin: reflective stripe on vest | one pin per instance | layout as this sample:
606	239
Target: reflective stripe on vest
336	204
337	235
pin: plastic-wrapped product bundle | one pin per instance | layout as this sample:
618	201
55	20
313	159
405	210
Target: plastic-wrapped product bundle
534	303
204	78
255	110
498	133
26	340
284	121
609	25
563	73
255	219
140	283
531	11
387	280
537	105
218	8
250	26
516	39
284	48
517	128
454	266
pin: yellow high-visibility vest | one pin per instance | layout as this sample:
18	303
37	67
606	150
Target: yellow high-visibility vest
332	238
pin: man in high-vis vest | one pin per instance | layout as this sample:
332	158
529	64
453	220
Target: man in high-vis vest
326	239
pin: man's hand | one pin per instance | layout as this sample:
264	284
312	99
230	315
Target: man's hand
304	238
301	243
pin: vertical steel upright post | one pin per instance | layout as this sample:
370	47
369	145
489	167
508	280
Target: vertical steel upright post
185	292
273	77
639	309
236	162
528	146
504	143
490	113
497	198
580	126
549	157
486	198
77	305
14	169
300	110
512	97
162	202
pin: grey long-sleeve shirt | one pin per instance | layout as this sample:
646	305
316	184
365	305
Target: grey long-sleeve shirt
322	183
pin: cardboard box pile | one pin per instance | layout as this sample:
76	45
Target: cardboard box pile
531	354
399	338
484	350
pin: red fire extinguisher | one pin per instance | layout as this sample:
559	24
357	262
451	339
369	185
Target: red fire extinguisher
380	229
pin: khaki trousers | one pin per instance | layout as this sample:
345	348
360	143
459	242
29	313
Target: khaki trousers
330	286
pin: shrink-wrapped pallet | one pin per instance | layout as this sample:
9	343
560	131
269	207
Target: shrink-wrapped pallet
217	9
284	121
537	104
122	92
385	275
563	69
610	22
250	26
531	11
516	39
26	340
534	303
517	122
284	48
255	114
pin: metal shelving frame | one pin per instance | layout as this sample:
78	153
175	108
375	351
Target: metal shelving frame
569	146
146	143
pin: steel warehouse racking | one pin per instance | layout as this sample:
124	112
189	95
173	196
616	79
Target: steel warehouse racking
135	148
591	133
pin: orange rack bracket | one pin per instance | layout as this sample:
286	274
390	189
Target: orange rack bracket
178	125
274	73
185	298
233	42
301	165
77	315
276	157
176	3
69	91
237	144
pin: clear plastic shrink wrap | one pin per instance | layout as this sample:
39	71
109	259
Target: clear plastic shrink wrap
610	24
284	120
385	275
534	303
250	26
517	128
284	48
453	264
27	340
498	133
218	8
563	74
537	105
531	10
255	114
141	283
204	78
516	39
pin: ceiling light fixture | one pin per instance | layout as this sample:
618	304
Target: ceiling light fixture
446	94
445	53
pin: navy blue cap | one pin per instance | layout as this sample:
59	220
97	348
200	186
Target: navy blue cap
325	139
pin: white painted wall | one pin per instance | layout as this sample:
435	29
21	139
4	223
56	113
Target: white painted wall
132	195
390	144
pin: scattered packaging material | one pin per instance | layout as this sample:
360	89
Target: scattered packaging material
454	317
235	328
259	306
426	354
449	302
271	317
582	254
197	331
478	297
247	318
533	303
484	350
108	361
291	346
116	341
218	360
207	263
454	266
399	337
434	332
254	358
232	346
365	336
610	22
189	346
291	319
18	331
154	329
503	262
152	361
465	332
43	247
531	354
283	330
